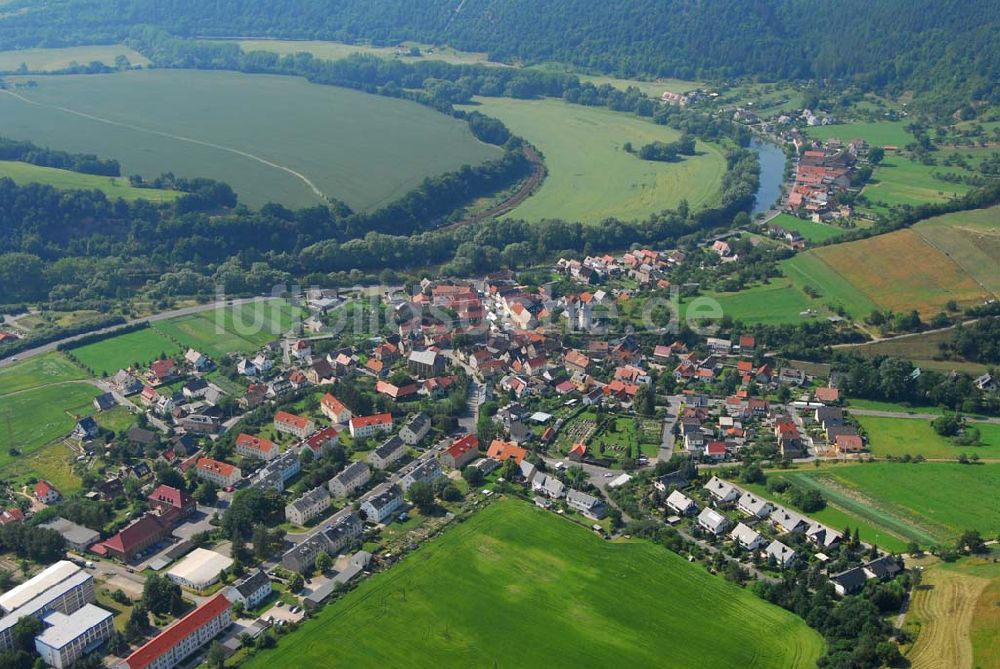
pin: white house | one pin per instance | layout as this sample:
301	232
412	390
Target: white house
415	429
747	537
722	491
250	590
712	521
680	503
379	507
353	477
781	553
308	506
754	506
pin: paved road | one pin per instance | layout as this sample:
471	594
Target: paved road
186	311
667	437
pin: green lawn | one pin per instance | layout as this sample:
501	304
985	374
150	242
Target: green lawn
876	405
113	187
33	418
901	436
110	355
900	180
810	231
591	177
517	586
876	133
267	136
47	60
38	371
778	302
809	269
930	502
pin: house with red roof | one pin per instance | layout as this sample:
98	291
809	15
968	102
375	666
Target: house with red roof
398	393
288	423
8	516
575	361
461	452
168	648
171	503
849	443
715	450
366	426
827	395
505	450
220	473
161	371
578	452
258	448
321	440
334	409
46	493
135	538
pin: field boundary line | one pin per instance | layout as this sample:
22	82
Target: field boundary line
947	255
181	138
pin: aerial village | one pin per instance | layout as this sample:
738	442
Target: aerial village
345	451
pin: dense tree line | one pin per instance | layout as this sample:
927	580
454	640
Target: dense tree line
897	380
37	544
668	151
978	342
26	152
946	50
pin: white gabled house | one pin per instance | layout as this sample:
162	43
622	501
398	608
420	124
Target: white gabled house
723	491
681	504
712	521
748	538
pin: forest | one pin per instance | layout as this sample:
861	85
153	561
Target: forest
945	50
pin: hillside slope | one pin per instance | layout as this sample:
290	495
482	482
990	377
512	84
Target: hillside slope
949	47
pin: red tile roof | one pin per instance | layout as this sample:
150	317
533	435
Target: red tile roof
503	450
333	404
377	419
170	637
255	443
298	422
578	449
8	516
827	394
42	488
460	447
210	465
136	534
162	368
319	439
715	448
172	496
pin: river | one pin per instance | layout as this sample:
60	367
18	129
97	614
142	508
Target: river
772	175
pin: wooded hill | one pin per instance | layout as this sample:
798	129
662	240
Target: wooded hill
947	50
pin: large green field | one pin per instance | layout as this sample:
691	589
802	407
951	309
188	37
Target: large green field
591	177
47	60
517	586
272	138
110	355
113	187
876	133
33	418
902	436
238	329
41	370
778	302
901	180
930	502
